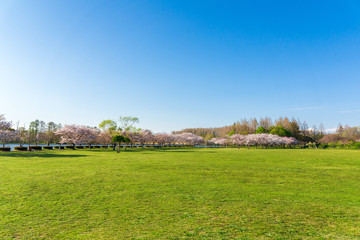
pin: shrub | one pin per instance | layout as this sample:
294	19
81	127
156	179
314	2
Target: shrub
36	148
104	146
312	145
20	148
260	130
5	149
96	146
48	147
88	146
357	145
70	147
59	147
79	147
323	146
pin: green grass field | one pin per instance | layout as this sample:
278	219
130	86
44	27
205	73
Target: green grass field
180	194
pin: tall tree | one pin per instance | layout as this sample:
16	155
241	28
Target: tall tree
127	123
266	122
340	129
108	126
314	132
253	125
51	126
34	129
42	126
304	127
321	130
295	128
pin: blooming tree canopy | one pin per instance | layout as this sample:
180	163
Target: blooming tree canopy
75	134
262	139
4	125
6	133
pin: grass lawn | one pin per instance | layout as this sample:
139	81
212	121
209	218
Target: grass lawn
180	194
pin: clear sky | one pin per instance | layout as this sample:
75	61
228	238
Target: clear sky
179	64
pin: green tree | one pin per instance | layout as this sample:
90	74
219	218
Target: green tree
126	123
34	129
232	132
280	131
108	125
109	128
260	130
119	139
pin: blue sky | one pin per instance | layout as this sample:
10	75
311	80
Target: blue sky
178	64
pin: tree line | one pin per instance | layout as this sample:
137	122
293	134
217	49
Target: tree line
282	126
263	132
109	132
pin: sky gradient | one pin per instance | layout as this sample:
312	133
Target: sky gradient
179	64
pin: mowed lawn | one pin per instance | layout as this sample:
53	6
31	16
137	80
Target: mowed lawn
180	194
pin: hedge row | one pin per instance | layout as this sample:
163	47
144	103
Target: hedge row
20	148
38	148
59	147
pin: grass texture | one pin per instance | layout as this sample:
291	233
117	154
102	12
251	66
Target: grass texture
180	194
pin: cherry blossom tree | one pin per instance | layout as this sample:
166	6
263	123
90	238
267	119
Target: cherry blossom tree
7	136
188	139
251	140
221	141
212	141
237	139
289	141
161	138
91	137
170	139
77	135
134	136
3	123
21	136
263	140
104	138
6	133
145	136
180	138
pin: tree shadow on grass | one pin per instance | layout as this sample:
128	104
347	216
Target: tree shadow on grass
38	155
161	150
187	151
182	150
